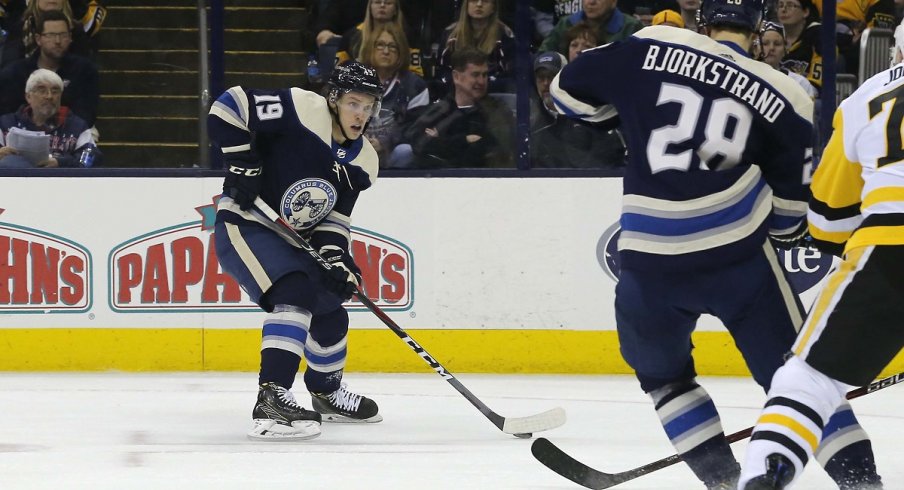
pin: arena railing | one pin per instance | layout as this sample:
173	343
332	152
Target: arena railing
875	51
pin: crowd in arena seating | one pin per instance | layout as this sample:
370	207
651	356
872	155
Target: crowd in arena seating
413	45
47	64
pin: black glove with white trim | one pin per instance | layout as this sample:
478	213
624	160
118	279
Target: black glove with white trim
243	180
344	276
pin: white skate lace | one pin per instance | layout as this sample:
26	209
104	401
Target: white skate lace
345	400
287	397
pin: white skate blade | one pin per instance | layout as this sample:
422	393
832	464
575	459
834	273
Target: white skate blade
335	418
271	430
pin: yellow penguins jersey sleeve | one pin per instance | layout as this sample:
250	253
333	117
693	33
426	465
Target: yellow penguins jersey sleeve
858	187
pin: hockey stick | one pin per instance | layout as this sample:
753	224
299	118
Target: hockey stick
522	427
558	461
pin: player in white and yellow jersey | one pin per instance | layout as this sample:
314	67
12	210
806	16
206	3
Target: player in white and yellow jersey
854	329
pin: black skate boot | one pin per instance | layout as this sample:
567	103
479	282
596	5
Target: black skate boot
277	416
779	473
343	406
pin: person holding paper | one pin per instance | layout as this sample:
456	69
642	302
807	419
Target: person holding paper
68	141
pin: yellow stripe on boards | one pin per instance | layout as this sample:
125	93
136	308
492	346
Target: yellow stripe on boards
377	350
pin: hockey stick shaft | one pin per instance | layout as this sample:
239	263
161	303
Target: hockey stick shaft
560	462
545	421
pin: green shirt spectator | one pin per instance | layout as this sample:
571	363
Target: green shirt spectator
611	23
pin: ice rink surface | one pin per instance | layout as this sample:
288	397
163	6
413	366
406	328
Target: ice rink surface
187	431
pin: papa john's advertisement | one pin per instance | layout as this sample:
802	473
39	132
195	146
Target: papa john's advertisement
436	253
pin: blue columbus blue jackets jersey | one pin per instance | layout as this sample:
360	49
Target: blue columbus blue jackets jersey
308	178
719	145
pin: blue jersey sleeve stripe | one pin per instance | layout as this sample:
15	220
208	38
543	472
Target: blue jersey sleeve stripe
574	108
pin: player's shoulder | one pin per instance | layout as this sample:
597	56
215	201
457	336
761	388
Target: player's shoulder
306	99
669	34
312	111
886	81
368	160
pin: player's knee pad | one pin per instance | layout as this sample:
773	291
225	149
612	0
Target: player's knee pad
294	289
325	349
801	400
650	384
798	381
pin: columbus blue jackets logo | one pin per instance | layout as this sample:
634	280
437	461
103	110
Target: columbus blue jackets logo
307	202
804	267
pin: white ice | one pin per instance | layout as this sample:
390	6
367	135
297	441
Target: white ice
187	431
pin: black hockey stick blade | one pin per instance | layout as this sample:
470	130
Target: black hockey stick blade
560	462
522	427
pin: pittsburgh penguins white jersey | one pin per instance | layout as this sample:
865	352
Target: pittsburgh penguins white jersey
858	187
312	181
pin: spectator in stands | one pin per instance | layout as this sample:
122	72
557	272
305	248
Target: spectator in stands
380	13
579	37
71	142
562	142
337	16
668	18
688	10
479	27
466	128
86	16
771	50
403	91
801	24
852	18
611	24
53	37
335	20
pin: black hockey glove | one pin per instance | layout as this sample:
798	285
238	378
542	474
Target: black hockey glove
344	275
243	180
797	238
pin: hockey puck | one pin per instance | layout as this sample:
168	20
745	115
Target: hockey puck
525	435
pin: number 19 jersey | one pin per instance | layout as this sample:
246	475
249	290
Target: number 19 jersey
719	145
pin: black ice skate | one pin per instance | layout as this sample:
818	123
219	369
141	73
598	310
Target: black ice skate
779	473
278	417
343	406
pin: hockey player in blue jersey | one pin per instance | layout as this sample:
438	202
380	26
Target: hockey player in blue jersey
719	160
304	156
